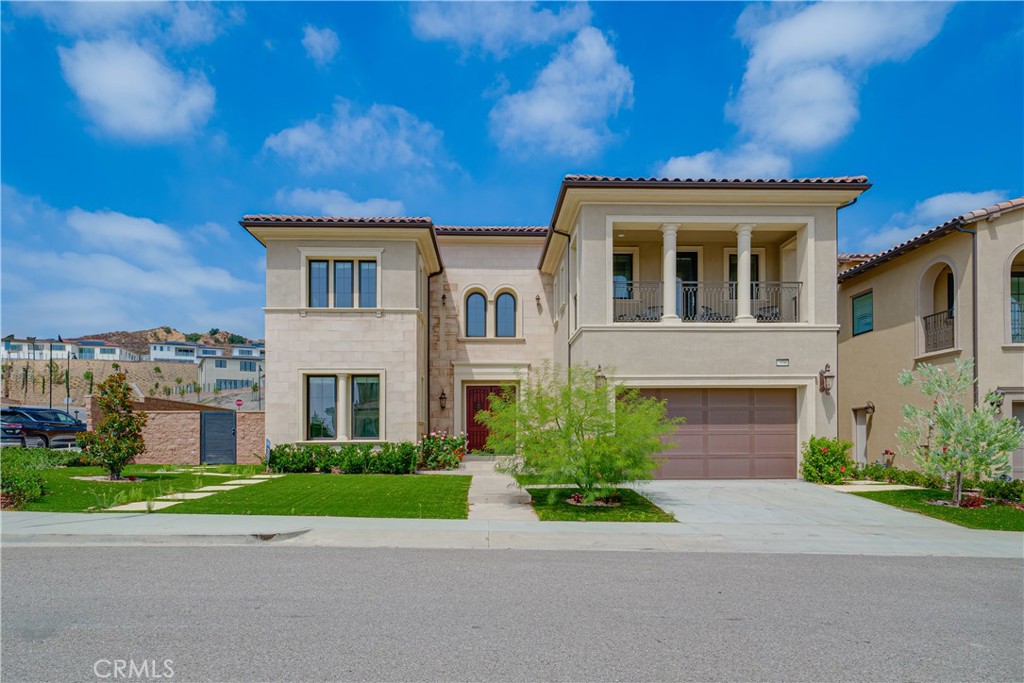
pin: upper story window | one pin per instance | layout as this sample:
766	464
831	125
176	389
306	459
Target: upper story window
354	283
863	313
476	315
244	352
247	366
622	274
1017	298
220	363
108	352
755	272
505	310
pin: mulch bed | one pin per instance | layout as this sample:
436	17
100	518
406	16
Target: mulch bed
577	499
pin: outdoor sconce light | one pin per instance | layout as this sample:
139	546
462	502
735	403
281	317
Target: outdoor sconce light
869	408
444	299
537	299
443	399
996	398
825	380
600	379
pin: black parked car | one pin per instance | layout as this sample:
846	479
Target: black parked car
44	427
13	434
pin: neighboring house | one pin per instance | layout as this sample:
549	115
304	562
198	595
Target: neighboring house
716	296
208	352
953	292
180	352
247	351
51	349
229	373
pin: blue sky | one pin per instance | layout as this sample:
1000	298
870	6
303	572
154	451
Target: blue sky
134	136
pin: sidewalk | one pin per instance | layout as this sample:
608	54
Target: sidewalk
940	539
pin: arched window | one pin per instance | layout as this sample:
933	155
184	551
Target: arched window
476	315
506	315
1016	299
937	309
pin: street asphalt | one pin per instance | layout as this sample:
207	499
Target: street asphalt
288	613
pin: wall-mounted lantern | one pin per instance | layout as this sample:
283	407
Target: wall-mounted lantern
869	408
443	400
444	299
600	379
996	398
825	380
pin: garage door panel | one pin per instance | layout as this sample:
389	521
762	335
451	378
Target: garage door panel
730	433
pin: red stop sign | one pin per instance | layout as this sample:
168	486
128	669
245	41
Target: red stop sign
239	402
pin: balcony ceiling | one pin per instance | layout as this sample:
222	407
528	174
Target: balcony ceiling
697	233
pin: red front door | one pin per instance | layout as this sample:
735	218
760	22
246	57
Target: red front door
477	399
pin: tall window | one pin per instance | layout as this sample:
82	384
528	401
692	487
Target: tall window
622	275
247	366
322	407
367	284
365	407
220	363
1017	306
863	313
476	315
318	284
755	273
343	290
505	308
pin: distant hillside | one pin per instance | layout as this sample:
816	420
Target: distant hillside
138	342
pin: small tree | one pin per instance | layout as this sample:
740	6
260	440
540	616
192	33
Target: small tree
8	368
157	370
572	427
88	376
55	373
115	366
117	439
950	439
178	381
167	390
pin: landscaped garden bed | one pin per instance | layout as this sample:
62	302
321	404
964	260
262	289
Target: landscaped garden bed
995	515
342	495
566	505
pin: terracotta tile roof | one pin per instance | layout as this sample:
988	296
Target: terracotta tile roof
838	180
351	220
934	234
491	229
847	257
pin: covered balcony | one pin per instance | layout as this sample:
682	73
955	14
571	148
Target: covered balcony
708	273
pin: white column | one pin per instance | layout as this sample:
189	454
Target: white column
668	273
743	273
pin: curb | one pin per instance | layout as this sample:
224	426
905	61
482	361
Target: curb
19	540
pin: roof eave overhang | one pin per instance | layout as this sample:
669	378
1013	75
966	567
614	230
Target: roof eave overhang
421	233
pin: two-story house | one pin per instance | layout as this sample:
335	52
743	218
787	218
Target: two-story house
954	292
716	296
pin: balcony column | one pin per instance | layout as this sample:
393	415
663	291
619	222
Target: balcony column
743	274
668	273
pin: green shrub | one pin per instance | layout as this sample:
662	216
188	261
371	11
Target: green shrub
1010	491
393	458
20	480
325	457
442	451
354	458
825	461
289	458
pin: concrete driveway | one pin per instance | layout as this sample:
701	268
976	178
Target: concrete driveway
769	515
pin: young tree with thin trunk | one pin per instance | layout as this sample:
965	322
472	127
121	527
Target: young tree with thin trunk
117	439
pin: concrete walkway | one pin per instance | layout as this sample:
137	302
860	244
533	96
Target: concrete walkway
732	517
496	496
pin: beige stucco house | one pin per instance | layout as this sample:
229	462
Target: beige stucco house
716	296
954	292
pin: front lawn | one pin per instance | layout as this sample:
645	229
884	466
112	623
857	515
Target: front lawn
342	495
61	493
633	508
996	516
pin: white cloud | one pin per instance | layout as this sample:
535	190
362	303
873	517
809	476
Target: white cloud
566	111
335	203
321	44
927	214
111	271
496	27
801	85
384	137
132	93
172	23
749	161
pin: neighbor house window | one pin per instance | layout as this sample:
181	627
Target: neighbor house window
244	352
505	308
318	284
108	352
247	366
365	406
476	315
322	407
863	313
220	363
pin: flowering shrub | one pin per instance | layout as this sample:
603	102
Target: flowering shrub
825	461
442	451
969	501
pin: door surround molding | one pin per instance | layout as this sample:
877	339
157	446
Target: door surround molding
482	373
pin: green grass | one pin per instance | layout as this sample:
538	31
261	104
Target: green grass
342	495
64	494
633	508
995	516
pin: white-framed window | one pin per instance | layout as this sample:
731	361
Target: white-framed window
347	278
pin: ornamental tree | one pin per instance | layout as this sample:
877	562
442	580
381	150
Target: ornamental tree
951	439
571	427
117	439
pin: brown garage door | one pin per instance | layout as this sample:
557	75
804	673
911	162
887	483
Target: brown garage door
730	434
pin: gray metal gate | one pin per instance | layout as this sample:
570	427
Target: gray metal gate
217	437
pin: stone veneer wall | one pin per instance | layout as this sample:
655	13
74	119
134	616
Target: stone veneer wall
250	444
172	438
